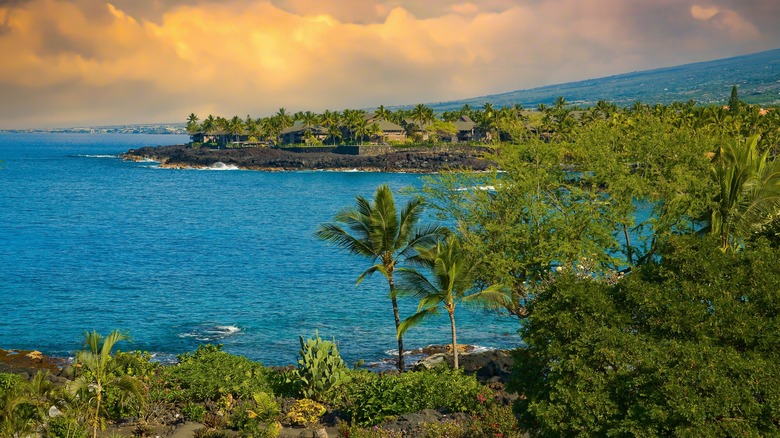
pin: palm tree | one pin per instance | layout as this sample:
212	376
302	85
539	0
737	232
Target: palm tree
748	192
330	121
382	113
209	125
309	120
192	124
452	281
99	371
235	127
422	115
379	232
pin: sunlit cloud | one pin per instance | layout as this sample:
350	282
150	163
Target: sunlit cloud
84	62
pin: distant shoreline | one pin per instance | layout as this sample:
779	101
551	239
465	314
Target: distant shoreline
271	159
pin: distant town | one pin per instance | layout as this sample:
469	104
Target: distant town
167	128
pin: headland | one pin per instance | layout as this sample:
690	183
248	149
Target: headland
368	158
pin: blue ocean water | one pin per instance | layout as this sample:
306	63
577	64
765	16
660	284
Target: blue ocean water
180	258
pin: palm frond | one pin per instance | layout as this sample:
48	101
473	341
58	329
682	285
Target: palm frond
414	283
415	320
333	233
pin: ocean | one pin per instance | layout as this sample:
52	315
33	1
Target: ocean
179	258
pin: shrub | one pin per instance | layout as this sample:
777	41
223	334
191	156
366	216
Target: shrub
354	431
688	346
193	412
320	368
372	398
496	421
305	413
65	427
258	418
210	373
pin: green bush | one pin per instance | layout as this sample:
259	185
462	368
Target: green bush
258	418
210	373
193	412
64	427
354	431
372	398
320	368
689	346
496	420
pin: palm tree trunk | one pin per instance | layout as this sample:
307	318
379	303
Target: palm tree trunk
96	422
628	245
397	324
454	339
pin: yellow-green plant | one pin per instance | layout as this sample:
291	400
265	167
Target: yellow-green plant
100	371
306	412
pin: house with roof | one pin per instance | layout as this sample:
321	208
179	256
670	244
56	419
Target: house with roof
299	133
390	132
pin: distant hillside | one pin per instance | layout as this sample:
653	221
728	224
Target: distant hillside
757	77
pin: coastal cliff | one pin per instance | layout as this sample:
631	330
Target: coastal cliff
269	159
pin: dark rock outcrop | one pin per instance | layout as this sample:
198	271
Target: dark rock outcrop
489	366
182	156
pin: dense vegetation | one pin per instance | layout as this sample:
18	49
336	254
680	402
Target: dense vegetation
638	248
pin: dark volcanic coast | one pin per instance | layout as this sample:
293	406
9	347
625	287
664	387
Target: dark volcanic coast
422	160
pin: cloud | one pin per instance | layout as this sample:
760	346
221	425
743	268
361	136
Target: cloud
727	20
88	61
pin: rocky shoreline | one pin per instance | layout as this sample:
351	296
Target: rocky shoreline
271	159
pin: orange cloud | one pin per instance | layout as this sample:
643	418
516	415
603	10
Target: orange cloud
89	61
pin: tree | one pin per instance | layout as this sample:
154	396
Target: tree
192	124
748	196
734	103
441	129
100	371
378	231
235	127
453	274
422	115
529	219
382	113
686	346
209	125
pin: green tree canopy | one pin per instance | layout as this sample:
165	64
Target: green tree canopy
689	346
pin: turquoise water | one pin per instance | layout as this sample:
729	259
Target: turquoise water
184	257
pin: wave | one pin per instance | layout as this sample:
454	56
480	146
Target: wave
488	188
221	166
96	156
210	333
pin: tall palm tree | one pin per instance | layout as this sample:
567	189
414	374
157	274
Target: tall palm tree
99	371
453	274
309	120
382	113
378	231
330	121
192	124
748	192
235	127
422	114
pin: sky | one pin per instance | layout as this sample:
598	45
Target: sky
68	63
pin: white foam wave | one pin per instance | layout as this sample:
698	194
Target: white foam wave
95	156
221	166
483	188
211	333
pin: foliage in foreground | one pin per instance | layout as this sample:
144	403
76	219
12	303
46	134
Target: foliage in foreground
687	347
371	398
492	421
320	368
210	373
